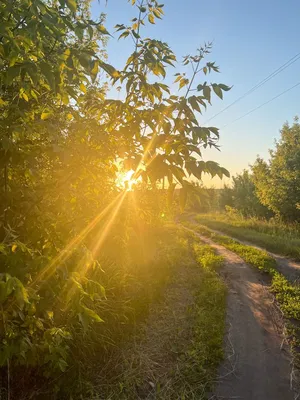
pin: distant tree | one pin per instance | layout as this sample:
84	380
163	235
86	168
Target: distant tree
225	197
242	196
277	181
245	198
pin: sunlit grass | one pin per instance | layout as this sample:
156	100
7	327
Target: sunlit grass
273	236
287	293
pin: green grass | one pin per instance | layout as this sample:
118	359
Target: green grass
286	293
273	236
179	346
205	351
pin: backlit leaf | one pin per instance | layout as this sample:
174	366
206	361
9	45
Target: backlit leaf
151	19
72	4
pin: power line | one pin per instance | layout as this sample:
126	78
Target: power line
259	84
256	108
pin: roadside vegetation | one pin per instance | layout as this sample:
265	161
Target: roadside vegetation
286	293
85	249
274	236
262	203
175	352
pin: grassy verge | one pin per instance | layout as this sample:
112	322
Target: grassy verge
274	237
286	293
206	347
176	351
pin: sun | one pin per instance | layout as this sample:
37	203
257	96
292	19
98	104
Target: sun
125	181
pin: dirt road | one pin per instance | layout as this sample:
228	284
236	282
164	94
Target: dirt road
287	267
258	364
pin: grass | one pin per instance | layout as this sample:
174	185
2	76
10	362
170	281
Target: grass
286	293
274	236
206	348
176	351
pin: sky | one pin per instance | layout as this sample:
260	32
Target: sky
251	39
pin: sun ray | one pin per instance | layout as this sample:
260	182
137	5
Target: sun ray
65	253
83	266
109	223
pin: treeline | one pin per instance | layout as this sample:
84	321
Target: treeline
268	189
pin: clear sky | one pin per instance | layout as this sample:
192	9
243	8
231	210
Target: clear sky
251	40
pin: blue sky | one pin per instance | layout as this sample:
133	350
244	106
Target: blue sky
251	40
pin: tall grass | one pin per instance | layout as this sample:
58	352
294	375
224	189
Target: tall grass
274	236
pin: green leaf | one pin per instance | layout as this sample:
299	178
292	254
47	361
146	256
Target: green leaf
207	92
45	115
217	90
24	96
183	83
91	32
110	70
214	130
32	71
82	88
135	34
225	172
33	94
103	30
177	172
224	87
151	19
72	4
48	74
87	311
124	35
21	294
157	13
194	103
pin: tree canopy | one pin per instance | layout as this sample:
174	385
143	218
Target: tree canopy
62	139
278	180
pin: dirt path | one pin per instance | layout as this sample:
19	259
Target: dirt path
257	366
289	268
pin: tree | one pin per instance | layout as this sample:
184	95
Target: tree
61	139
244	196
277	181
225	197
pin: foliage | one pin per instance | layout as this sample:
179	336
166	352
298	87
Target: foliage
67	295
242	196
225	198
278	180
